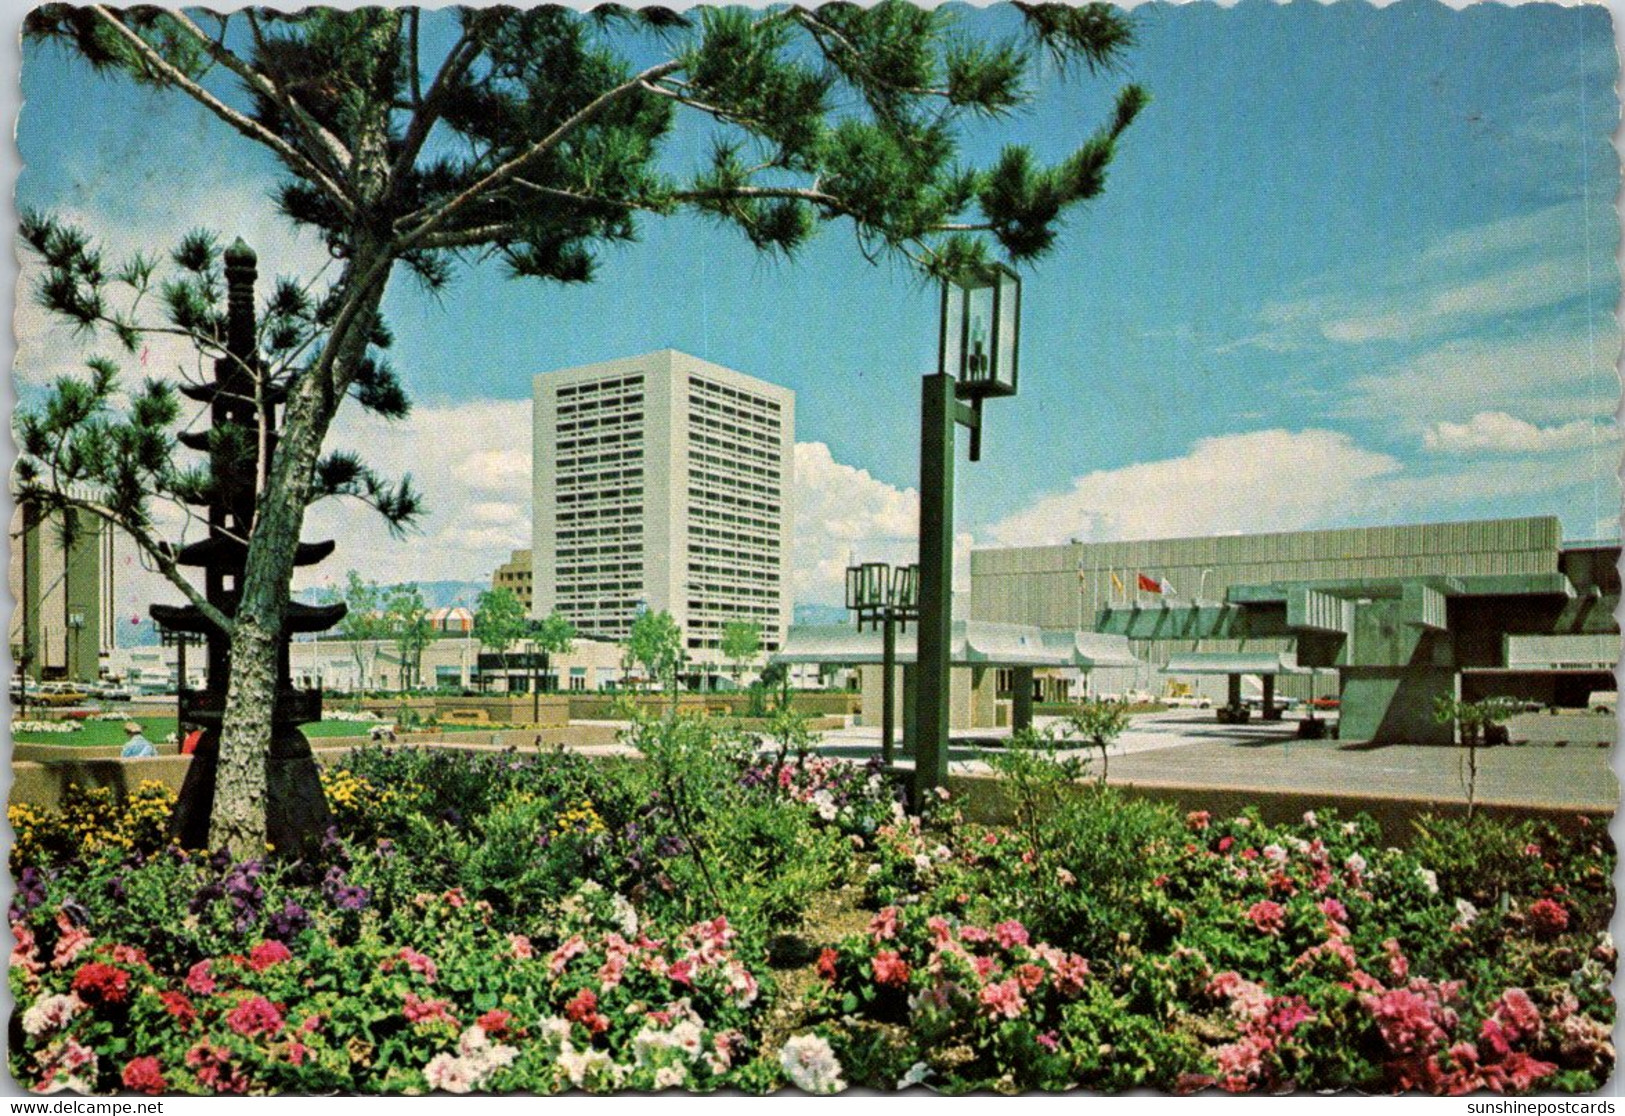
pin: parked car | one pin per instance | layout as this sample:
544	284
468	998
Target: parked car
60	693
1188	701
1603	701
114	691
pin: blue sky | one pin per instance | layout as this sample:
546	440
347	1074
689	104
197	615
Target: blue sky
1353	265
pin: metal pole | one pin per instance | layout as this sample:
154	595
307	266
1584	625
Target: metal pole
888	689
937	405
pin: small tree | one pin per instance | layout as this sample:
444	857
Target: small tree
407	618
741	643
655	644
1099	723
551	636
363	624
499	622
1479	723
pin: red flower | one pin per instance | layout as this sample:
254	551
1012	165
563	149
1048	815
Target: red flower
583	1009
1198	819
496	1023
266	954
144	1075
1030	976
180	1007
98	983
826	964
255	1016
890	969
1548	918
1225	843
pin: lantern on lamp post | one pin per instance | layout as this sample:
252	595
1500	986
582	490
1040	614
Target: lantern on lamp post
978	351
888	596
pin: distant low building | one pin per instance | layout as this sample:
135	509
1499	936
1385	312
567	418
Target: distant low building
515	575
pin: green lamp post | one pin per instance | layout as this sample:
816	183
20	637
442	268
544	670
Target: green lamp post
977	355
887	596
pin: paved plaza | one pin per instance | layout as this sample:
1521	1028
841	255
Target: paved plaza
1555	761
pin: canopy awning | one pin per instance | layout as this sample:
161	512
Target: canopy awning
1232	662
973	643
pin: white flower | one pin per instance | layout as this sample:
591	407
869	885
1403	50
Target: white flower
1466	913
50	1013
874	869
579	1065
1275	854
1355	863
1350	828
917	1073
1430	879
922	863
448	1074
1309	819
555	1028
670	1077
811	1065
942	852
626	915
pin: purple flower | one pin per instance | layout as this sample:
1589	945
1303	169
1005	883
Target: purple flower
285	924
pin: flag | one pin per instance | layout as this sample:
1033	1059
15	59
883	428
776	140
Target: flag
1149	584
1117	583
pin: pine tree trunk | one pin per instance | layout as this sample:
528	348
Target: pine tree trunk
244	813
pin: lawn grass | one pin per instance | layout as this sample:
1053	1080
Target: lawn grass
103	734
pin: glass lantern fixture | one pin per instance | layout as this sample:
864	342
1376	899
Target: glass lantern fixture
981	327
867	586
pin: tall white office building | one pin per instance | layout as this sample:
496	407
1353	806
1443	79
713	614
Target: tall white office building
663	482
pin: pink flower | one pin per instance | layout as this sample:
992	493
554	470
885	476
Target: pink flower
1070	973
974	935
1518	1014
1334	910
984	966
70	943
200	980
884	925
22	955
1398	965
583	1009
496	1023
826	964
1010	934
1029	976
1198	819
144	1075
213	1068
128	955
255	1016
1268	916
418	1010
419	964
682	972
266	954
1049	1042
890	969
520	946
573	947
1548	918
1411	1023
1003	999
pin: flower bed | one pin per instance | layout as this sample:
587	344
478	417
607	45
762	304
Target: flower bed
689	923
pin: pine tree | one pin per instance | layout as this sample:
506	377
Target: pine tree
533	138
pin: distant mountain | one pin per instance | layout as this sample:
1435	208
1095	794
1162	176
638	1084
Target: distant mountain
821	614
436	594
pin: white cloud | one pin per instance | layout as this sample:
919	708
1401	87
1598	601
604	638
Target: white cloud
471	462
1499	432
1547	377
1266	480
844	514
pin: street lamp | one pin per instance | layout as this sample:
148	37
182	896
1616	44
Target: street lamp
888	596
977	354
76	625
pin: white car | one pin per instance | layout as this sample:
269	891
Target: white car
1188	701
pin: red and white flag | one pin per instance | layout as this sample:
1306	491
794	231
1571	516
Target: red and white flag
1150	584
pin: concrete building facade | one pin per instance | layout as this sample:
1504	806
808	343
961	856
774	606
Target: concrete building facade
663	482
62	580
1402	614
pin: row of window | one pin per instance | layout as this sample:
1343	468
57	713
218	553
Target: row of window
600	404
725	501
740	439
702	386
767	531
734	448
758	425
728	466
601	387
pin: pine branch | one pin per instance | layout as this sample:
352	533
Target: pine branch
243	124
